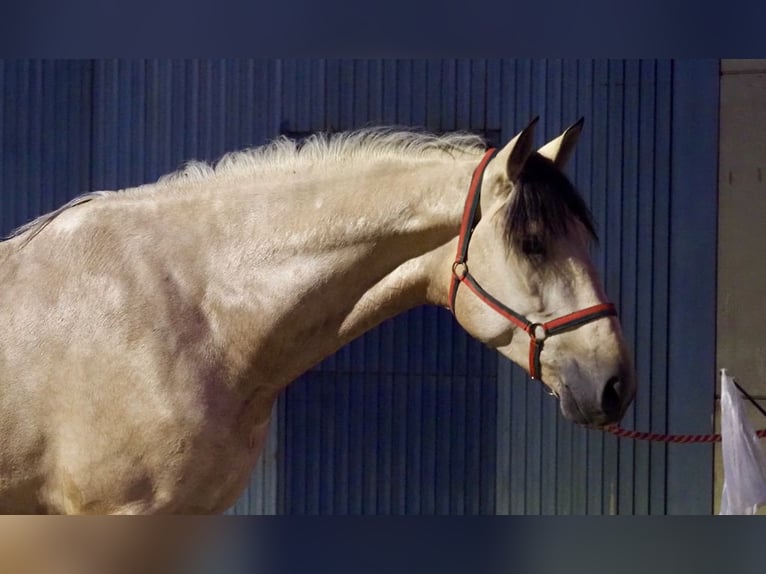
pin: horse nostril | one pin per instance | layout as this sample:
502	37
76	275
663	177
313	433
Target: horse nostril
611	399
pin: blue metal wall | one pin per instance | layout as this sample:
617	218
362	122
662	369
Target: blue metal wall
415	417
647	164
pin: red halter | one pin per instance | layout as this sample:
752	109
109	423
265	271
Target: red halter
538	332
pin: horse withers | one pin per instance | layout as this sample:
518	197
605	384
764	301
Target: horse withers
147	332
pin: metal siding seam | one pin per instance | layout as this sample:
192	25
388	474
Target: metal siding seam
152	119
11	218
287	96
370	430
463	94
178	113
399	446
231	120
414	443
478	94
534	446
568	435
404	92
305	77
430	320
526	109
660	286
375	92
47	151
600	79
581	172
218	90
613	246
259	106
315	455
493	110
428	443
39	198
166	161
343	501
433	89
693	208
473	436
643	293
521	418
138	139
328	442
551	96
442	464
519	441
247	103
59	133
553	100
458	446
628	263
359	95
22	141
84	106
419	94
383	443
355	432
486	449
508	100
503	439
448	106
346	90
269	486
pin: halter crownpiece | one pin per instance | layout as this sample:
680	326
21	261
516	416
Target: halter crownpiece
538	332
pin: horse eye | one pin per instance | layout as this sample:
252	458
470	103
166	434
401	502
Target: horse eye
533	247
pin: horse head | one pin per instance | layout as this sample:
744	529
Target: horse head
524	283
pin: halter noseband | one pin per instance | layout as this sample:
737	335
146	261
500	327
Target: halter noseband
538	332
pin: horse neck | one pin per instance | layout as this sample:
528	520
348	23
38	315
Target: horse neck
326	254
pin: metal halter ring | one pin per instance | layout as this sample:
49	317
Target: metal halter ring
464	267
533	332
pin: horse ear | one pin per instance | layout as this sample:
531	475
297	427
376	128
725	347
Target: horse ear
560	150
516	151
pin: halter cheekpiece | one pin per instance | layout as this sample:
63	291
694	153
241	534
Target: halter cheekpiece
538	332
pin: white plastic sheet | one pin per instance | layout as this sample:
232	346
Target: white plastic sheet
744	460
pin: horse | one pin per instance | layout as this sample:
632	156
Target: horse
148	331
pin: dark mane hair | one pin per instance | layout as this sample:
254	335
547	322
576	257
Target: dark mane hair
543	206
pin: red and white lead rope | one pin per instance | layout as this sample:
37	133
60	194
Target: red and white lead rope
673	438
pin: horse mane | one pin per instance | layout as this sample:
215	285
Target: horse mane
368	143
542	209
283	153
38	224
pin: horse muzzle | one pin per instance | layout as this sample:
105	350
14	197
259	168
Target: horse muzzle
598	407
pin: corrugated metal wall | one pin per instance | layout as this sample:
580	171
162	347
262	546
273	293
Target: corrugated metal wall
415	417
647	164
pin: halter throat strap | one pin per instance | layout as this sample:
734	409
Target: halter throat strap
538	332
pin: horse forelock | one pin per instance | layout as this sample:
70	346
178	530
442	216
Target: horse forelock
542	209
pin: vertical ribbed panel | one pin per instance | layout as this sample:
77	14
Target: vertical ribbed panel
630	150
409	407
45	119
400	421
415	417
692	281
570	470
